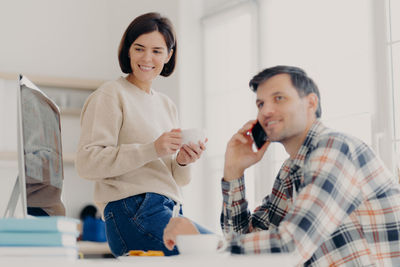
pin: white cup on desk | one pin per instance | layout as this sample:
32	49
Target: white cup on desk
193	135
200	244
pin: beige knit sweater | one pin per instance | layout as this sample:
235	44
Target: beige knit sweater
119	124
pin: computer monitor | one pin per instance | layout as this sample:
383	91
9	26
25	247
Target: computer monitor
40	163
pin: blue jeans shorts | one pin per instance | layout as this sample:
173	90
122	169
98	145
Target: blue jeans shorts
138	222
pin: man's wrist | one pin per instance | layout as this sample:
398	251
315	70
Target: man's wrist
231	173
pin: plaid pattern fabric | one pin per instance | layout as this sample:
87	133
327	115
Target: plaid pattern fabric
346	212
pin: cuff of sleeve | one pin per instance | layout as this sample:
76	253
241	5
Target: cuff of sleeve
181	173
233	190
177	165
235	245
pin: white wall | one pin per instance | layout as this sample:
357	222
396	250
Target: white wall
190	62
75	38
72	38
339	44
334	41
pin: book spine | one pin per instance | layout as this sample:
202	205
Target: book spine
37	239
40	225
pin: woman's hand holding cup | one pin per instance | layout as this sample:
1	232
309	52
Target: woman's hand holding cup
168	143
193	146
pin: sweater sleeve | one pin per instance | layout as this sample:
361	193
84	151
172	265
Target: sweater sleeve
182	174
99	155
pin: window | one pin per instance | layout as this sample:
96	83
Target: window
230	61
394	48
340	56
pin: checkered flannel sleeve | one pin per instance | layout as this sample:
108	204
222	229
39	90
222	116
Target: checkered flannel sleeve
331	192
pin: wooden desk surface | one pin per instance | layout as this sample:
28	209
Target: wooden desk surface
93	248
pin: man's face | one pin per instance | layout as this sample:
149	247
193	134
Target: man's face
285	116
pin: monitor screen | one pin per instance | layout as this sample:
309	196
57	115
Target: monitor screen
40	161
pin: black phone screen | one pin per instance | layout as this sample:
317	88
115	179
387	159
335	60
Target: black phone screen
259	135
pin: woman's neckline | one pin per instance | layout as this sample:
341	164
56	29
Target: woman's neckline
150	93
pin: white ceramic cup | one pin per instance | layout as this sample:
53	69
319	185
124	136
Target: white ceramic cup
200	244
193	135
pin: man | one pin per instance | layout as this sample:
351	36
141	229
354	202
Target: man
43	154
333	202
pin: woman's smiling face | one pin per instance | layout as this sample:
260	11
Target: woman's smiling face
148	54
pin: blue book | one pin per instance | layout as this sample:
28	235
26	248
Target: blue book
39	224
42	239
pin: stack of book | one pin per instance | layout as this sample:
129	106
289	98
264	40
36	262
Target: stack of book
39	237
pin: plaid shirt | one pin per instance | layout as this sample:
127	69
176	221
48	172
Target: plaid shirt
346	210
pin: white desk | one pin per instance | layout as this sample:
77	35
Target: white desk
227	260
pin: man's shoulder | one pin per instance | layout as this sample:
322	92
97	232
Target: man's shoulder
340	142
338	136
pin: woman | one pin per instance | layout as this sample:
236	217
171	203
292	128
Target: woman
131	145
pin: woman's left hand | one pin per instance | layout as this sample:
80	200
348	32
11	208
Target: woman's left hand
190	153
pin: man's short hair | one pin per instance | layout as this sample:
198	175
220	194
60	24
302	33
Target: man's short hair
303	84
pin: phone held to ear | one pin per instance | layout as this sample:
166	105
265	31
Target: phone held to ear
259	135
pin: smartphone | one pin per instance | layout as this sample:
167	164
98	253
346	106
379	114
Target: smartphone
259	135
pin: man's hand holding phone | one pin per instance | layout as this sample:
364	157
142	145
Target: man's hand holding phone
239	153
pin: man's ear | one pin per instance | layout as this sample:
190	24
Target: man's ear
171	52
312	102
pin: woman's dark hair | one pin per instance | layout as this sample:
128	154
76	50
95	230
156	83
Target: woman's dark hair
303	84
147	23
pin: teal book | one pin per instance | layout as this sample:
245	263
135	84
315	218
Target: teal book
39	224
43	239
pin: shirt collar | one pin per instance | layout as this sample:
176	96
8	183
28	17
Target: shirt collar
291	165
310	142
